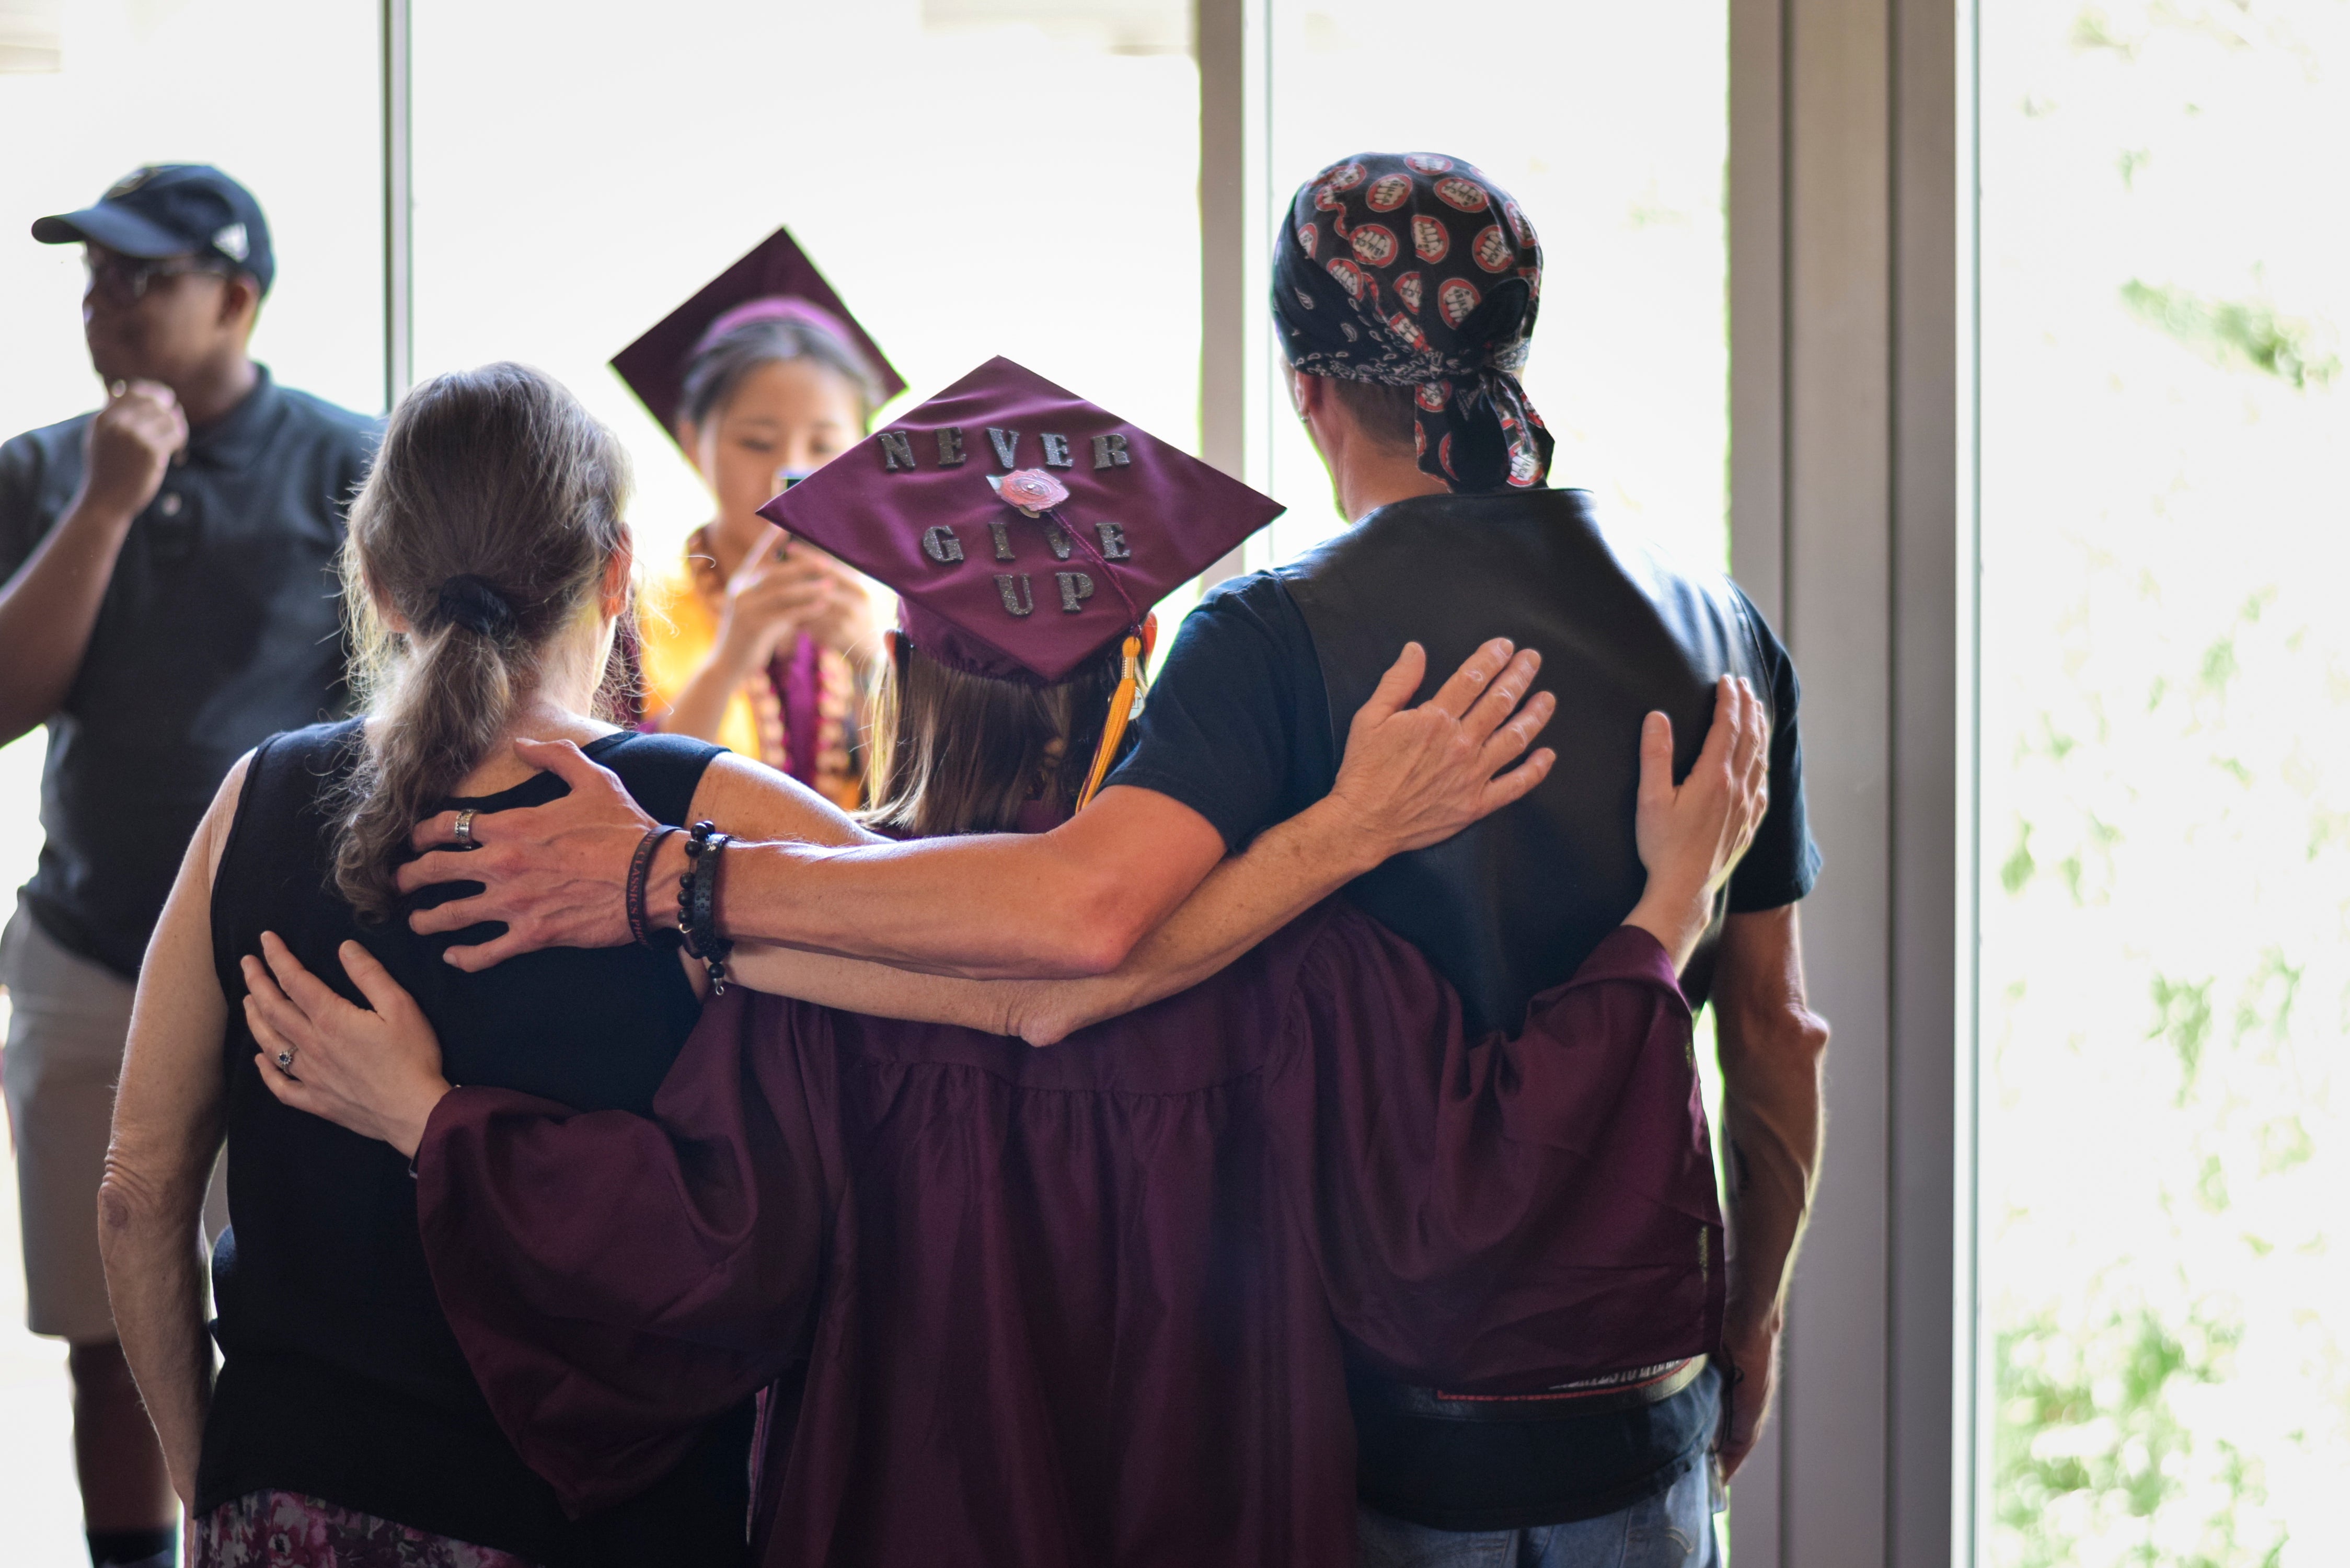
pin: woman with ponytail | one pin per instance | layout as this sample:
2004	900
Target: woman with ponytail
486	575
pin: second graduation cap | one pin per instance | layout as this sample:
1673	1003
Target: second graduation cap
1023	528
776	279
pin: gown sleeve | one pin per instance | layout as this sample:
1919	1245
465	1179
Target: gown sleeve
1496	1215
617	1280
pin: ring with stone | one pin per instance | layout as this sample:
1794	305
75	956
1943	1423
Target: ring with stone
285	1060
465	829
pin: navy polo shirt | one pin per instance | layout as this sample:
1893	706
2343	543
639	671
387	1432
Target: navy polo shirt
221	626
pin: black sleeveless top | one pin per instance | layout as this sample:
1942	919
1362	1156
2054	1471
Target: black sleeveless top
340	1378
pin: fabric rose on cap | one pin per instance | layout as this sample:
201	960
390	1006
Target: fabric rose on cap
1032	490
1415	270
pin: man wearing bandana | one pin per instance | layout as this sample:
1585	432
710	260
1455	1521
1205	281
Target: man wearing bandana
1406	289
1405	293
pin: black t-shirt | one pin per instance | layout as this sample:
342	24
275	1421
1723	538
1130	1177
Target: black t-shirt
1238	727
221	625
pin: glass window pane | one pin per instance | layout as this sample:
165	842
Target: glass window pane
976	177
1623	178
145	83
2165	787
283	94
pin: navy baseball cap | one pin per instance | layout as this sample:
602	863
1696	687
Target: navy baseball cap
169	209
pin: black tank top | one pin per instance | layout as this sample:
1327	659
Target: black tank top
340	1378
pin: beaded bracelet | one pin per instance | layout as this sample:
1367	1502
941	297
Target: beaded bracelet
639	869
697	902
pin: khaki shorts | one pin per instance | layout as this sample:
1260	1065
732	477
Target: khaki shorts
68	1020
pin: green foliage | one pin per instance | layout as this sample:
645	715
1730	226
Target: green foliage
2235	333
2087	1425
2183	1017
2092	30
2017	869
2090	1423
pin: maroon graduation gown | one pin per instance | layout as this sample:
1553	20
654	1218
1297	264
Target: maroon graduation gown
1089	1305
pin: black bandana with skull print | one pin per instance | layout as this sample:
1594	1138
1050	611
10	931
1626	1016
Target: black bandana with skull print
1414	270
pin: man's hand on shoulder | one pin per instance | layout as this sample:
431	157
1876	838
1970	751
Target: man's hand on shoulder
1413	776
556	875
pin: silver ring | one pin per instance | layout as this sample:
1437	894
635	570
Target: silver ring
465	829
285	1060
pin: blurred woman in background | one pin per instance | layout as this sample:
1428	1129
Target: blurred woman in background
760	642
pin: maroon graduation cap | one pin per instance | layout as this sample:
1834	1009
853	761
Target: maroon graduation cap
775	280
1023	528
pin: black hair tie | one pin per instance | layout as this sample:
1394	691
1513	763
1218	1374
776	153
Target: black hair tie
473	603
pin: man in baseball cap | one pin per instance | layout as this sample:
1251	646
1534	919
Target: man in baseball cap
167	599
172	211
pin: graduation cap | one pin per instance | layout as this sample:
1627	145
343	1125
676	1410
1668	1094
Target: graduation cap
1023	528
774	282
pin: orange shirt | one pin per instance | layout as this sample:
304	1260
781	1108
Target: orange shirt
678	630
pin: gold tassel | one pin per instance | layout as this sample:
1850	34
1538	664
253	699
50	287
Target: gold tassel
1121	707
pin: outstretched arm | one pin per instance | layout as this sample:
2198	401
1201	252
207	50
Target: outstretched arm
1409	777
1071	902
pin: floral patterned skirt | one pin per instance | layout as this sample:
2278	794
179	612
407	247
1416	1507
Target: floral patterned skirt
282	1529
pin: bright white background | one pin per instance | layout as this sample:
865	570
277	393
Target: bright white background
970	190
1610	125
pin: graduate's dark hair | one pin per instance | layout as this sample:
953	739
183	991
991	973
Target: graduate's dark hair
956	752
718	368
486	525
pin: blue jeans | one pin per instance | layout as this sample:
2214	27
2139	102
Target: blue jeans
1672	1529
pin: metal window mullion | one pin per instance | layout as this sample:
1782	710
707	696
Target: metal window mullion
398	205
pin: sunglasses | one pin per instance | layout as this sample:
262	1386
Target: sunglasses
124	280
